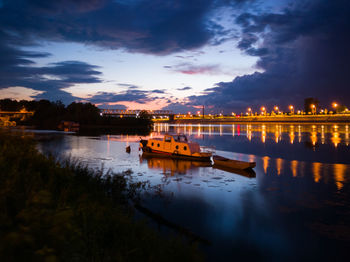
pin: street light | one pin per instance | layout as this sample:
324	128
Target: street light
291	109
313	109
249	110
335	105
263	109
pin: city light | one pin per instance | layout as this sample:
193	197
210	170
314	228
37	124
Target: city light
249	111
291	109
313	109
276	108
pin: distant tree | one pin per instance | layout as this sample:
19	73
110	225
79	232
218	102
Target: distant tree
341	109
144	115
9	105
84	113
28	105
308	102
48	114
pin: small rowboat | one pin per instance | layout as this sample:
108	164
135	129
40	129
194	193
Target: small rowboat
243	172
234	164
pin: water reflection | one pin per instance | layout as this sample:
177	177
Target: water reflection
316	169
339	175
291	202
337	133
171	167
329	142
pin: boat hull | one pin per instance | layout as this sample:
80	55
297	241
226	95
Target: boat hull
150	153
250	173
234	164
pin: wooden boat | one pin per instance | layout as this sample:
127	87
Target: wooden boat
174	146
234	164
243	172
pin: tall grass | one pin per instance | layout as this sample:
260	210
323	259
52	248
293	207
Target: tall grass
51	211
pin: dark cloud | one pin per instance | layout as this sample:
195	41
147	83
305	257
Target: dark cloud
158	91
191	69
130	95
129	86
178	107
106	105
156	27
184	88
303	52
17	69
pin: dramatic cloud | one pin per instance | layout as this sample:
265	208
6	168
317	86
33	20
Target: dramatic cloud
17	70
303	52
156	27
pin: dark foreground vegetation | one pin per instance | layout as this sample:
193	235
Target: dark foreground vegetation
51	211
48	115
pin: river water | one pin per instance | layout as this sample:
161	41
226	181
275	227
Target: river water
296	206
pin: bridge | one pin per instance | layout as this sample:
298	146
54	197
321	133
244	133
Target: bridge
6	117
135	113
22	114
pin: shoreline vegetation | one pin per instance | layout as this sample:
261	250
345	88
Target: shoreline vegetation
49	115
63	211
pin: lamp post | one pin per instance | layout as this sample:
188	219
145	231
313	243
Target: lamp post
249	111
263	110
313	109
335	105
291	109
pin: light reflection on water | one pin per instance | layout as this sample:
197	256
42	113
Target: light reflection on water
298	197
337	133
328	143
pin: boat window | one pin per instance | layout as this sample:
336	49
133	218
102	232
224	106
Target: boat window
168	139
152	144
185	147
158	145
177	147
182	138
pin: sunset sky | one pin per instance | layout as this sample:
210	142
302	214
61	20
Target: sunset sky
176	54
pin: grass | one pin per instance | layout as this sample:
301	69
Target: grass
52	211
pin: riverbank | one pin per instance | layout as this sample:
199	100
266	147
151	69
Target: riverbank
338	118
61	211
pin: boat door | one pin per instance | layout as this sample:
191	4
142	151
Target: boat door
167	142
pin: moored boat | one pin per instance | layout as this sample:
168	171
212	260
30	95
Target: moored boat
174	146
234	164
